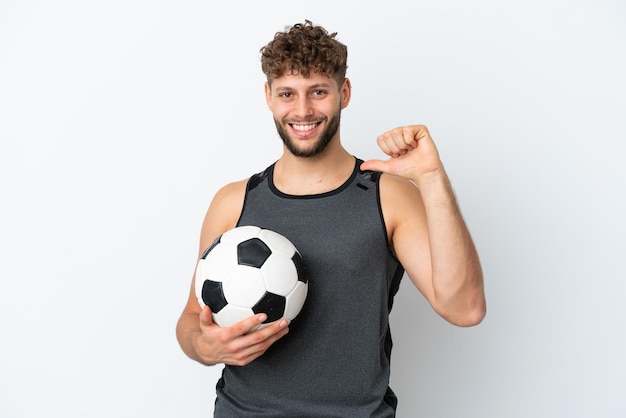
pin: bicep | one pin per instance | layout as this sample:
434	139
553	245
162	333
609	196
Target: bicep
405	218
222	215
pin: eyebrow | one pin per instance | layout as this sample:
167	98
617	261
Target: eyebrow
311	87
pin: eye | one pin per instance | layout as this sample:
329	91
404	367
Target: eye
285	95
319	93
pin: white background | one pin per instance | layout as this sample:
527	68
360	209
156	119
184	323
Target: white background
120	119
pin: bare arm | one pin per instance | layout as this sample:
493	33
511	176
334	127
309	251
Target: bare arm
200	338
427	231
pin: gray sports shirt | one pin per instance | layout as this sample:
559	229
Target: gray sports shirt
334	362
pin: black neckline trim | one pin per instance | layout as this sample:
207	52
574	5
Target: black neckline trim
345	185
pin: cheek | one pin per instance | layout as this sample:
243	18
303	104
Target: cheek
280	111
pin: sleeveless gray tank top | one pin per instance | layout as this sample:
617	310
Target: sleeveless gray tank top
334	362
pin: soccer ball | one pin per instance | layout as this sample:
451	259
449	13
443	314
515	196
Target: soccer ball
249	270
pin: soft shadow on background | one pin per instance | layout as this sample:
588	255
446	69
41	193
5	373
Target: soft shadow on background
119	120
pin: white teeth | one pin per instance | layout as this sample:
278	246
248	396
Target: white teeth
303	127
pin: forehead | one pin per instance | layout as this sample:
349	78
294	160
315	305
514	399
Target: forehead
297	82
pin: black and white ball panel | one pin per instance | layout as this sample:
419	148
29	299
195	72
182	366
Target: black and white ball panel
251	270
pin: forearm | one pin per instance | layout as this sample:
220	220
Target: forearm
187	331
456	272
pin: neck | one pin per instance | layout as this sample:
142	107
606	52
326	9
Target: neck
313	175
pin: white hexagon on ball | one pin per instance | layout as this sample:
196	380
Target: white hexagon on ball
220	262
231	314
295	300
240	234
280	274
277	243
243	286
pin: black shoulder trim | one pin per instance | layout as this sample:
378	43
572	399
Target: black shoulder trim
258	178
372	176
368	175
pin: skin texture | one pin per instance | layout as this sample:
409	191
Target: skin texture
424	225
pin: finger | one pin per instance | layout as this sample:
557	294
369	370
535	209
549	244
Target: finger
252	345
404	139
256	350
248	324
397	142
266	336
385	145
206	317
390	147
408	138
373	165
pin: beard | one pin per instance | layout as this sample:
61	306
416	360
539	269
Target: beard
325	138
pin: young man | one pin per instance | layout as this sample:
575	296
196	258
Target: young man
359	226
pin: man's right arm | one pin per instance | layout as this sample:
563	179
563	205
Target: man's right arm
199	337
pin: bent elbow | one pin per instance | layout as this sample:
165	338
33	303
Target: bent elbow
470	317
467	316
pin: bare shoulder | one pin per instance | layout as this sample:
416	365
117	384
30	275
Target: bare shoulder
230	196
397	195
223	212
403	211
395	184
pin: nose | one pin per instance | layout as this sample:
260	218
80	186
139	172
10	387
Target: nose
303	107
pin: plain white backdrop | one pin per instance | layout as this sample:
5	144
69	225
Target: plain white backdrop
120	119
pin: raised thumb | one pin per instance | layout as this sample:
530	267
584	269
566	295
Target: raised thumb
373	165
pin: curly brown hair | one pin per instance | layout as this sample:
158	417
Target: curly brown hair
303	48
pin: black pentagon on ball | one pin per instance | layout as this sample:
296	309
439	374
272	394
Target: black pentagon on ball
252	252
213	295
272	305
298	261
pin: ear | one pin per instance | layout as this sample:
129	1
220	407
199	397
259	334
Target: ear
268	95
346	93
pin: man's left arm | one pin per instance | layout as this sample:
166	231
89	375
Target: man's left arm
427	231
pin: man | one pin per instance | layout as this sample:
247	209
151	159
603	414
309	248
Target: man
359	226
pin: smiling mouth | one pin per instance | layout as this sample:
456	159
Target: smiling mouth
304	127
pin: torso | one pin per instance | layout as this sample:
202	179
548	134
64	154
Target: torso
337	352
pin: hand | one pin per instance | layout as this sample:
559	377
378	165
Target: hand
239	344
412	151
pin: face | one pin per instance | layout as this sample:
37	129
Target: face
307	111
